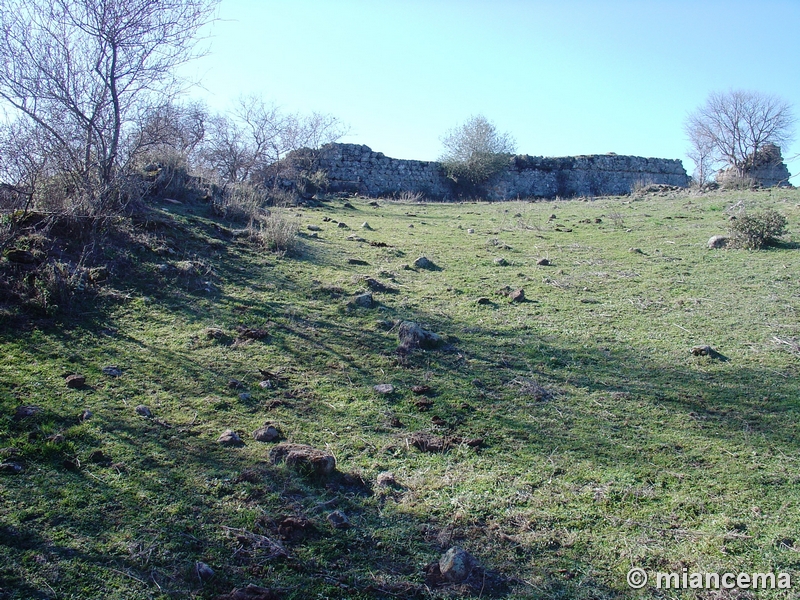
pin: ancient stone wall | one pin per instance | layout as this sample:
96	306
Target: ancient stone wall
358	169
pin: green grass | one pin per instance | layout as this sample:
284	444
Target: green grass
637	454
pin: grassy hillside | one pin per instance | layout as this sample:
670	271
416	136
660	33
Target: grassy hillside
604	442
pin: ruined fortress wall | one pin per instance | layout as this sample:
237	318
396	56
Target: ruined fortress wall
357	168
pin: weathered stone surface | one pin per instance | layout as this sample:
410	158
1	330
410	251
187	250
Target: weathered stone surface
112	371
517	295
384	388
424	262
412	335
266	433
356	169
304	458
24	412
338	520
364	300
75	381
718	241
230	438
456	565
143	411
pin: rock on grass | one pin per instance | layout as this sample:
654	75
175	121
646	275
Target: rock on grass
413	336
306	459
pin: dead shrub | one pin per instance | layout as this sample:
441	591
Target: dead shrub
276	231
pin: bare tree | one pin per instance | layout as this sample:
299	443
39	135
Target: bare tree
257	134
731	128
475	151
82	69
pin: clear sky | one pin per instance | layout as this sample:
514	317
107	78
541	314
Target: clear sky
563	77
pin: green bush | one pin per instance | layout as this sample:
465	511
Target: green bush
758	229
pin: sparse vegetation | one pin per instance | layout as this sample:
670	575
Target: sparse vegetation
757	229
559	440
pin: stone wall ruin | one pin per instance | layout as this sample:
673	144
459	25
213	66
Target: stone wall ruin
357	169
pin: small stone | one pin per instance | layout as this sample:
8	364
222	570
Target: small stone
364	300
266	433
204	572
314	228
144	411
348	205
355	238
215	333
483	301
543	262
266	384
384	388
230	438
374	204
501	262
412	336
470	230
421	390
718	241
245	396
386	479
424	263
304	458
635	251
456	565
75	381
357	261
235	384
11	468
517	295
112	371
25	412
342	225
338	520
366	226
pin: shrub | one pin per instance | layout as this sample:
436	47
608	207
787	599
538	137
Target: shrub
276	232
758	229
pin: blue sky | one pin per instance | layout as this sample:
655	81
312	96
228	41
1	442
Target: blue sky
564	78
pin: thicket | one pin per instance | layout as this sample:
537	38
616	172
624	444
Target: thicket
757	229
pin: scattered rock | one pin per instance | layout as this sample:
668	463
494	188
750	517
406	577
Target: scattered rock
230	438
484	301
245	396
338	520
364	300
75	381
25	412
552	218
366	226
376	286
314	228
424	263
266	433
306	459
144	411
235	384
517	295
266	384
543	262
635	250
12	468
86	415
251	592
428	442
456	565
215	333
326	219
470	230
386	479
413	336
374	204
294	528
423	404
342	225
384	388
348	205
357	261
112	371
421	389
203	571
718	241
707	351
355	238
411	226
501	262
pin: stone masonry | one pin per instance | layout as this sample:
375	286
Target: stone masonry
356	168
